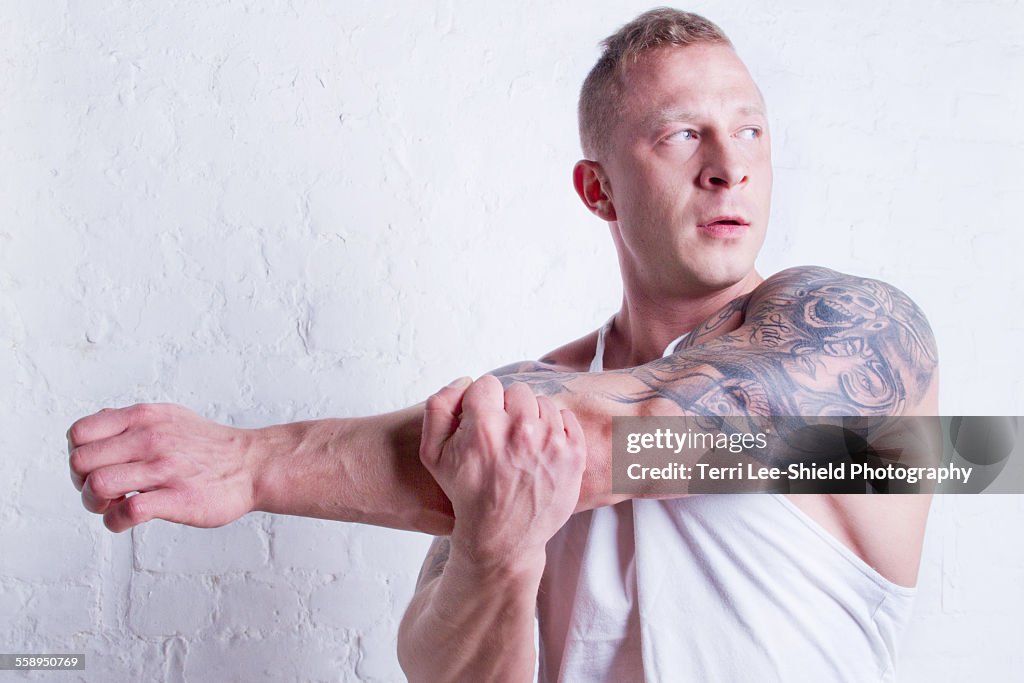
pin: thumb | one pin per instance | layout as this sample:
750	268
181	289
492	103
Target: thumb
441	419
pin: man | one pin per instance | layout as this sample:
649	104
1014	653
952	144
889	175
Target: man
712	588
705	588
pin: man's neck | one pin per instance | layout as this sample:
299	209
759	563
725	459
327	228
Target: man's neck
644	326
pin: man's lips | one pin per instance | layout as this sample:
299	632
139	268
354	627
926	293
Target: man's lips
724	226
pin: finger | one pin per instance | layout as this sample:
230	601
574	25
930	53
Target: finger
440	419
520	403
96	503
142	507
484	397
100	506
550	415
110	483
110	451
573	429
106	423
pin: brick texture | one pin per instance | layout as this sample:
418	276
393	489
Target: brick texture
276	210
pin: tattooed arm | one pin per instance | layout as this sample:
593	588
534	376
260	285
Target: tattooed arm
812	342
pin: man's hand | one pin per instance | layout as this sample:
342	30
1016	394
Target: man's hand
185	468
511	465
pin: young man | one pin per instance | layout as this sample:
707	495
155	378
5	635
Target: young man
721	588
701	588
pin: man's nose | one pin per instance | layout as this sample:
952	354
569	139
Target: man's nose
724	166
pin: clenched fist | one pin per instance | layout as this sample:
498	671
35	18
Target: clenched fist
511	463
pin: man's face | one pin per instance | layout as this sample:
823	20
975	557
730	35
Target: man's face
689	170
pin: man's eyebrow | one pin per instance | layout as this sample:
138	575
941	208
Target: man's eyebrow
661	117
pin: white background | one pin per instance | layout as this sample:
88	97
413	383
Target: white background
271	211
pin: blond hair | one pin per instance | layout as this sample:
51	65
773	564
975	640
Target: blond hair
600	95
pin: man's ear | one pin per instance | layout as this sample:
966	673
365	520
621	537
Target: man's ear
593	187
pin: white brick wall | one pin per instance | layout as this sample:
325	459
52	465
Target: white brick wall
280	210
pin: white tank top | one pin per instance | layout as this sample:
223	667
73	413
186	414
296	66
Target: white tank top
712	588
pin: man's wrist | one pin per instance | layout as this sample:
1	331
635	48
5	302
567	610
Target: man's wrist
512	564
274	455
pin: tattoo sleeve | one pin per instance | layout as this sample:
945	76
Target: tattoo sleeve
812	342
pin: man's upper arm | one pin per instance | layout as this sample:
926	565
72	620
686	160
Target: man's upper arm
813	342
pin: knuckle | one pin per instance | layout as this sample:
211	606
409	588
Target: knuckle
155	440
91	503
482	387
78	460
518	389
76	433
488	380
141	412
135	509
101	484
149	413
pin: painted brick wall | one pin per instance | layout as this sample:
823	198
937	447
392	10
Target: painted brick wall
278	210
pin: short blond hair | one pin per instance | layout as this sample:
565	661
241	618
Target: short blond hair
599	104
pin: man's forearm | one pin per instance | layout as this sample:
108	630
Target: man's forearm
368	470
471	623
356	470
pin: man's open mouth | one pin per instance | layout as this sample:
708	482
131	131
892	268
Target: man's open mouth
725	220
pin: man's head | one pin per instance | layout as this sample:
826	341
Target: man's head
679	160
601	94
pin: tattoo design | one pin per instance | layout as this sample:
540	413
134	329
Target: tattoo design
807	342
728	317
434	562
541	376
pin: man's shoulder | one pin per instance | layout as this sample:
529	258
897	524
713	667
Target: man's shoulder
866	332
574	356
830	301
801	277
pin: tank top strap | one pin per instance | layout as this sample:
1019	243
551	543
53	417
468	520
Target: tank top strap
597	364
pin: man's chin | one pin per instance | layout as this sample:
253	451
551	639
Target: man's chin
720	277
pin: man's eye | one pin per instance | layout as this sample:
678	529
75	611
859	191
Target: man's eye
749	133
686	134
